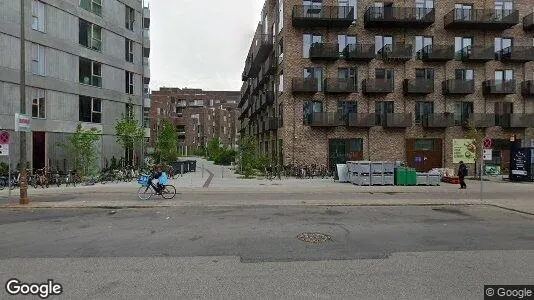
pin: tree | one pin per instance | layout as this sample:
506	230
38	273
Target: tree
477	135
250	161
166	150
129	133
81	147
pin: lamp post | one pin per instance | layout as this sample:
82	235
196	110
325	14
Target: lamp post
23	175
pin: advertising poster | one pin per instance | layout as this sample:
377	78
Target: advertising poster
463	150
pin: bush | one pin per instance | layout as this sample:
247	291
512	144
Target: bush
225	157
4	169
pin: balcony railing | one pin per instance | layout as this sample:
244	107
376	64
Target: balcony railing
377	86
266	99
437	53
398	17
397	120
401	52
486	19
269	67
518	54
322	16
418	86
478	120
341	85
359	52
263	47
361	120
499	87
271	124
305	85
458	86
325	119
324	51
515	120
527	88
476	54
443	120
528	22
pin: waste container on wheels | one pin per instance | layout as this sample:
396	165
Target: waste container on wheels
192	165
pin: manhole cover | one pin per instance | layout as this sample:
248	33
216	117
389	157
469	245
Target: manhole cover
313	237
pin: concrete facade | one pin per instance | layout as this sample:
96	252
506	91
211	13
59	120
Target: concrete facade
198	116
295	143
56	52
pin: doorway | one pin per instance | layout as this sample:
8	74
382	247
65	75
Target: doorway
343	150
38	149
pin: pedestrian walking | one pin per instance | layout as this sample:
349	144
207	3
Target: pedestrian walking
462	173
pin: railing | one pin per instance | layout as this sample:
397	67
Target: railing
341	85
361	120
476	53
499	87
319	15
516	54
406	17
377	86
324	51
418	86
478	120
458	86
398	120
491	19
364	52
443	120
527	88
437	53
306	85
325	119
395	52
528	22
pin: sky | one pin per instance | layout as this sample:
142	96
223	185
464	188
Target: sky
201	44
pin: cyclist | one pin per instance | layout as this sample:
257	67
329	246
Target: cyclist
158	172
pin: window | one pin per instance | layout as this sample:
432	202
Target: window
94	6
146	52
281	83
422	111
38	104
128	48
424	145
90	35
313	8
463	12
384	75
315	74
349	76
503	47
345	40
90	110
129	110
424	74
463	74
462	46
309	108
129	82
280	51
307	41
503	8
383	44
38	16
382	108
502	110
423	44
90	72
345	108
343	10
504	75
38	60
423	7
280	15
462	111
146	117
130	18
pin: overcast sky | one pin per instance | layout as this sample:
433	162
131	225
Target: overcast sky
201	44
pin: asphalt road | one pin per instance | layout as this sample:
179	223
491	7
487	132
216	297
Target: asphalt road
446	252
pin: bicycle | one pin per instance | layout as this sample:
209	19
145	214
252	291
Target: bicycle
148	189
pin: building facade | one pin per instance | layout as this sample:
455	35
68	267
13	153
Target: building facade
336	80
197	115
86	61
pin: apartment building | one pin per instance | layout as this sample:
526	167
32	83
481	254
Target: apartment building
198	116
335	80
86	61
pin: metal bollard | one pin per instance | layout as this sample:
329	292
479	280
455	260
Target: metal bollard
181	170
222	172
202	170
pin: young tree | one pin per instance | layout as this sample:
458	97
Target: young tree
129	133
477	135
250	161
214	148
81	147
166	150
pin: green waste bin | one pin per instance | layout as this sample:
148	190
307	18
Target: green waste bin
400	176
411	176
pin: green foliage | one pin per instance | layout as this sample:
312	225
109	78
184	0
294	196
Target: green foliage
81	148
477	135
219	154
250	161
4	169
166	150
199	152
128	131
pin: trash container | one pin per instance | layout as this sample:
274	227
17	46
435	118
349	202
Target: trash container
400	176
192	166
411	176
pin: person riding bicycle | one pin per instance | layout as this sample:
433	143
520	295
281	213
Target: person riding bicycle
158	172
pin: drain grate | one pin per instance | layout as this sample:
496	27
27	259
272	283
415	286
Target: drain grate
313	237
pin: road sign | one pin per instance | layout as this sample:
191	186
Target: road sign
23	123
4	149
487	143
488	154
4	137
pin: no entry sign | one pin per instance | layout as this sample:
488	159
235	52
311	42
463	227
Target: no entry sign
487	143
4	137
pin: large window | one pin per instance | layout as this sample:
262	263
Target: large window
503	47
502	110
345	108
343	10
38	16
424	74
90	35
129	82
382	108
38	104
423	44
383	44
309	108
462	111
38	60
463	12
463	74
503	8
130	18
90	110
422	111
315	74
384	74
90	72
94	6
307	41
280	15
423	7
345	40
128	49
462	46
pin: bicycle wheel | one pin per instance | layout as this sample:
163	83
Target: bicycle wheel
169	191
145	192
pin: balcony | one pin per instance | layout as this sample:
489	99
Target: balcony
398	17
262	48
398	120
484	19
528	22
515	120
527	88
361	120
499	87
247	72
146	38
359	52
271	124
458	87
476	54
377	86
479	120
518	54
147	102
443	120
266	99
269	67
340	85
418	86
399	52
324	51
437	53
325	119
305	85
322	16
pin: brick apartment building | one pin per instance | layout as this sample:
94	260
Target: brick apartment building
198	116
335	80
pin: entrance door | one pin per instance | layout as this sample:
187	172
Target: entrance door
341	151
39	146
424	154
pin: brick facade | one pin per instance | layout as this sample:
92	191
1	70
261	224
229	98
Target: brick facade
304	144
